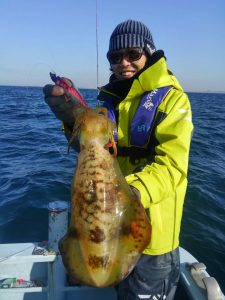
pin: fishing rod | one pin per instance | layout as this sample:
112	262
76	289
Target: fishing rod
72	90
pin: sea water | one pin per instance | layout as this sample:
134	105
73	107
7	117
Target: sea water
35	169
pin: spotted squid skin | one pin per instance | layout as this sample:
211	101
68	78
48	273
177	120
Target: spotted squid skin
108	227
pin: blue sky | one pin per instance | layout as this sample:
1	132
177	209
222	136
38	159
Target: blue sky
38	36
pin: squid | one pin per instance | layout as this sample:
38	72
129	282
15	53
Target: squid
108	228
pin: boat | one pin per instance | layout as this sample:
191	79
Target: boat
34	271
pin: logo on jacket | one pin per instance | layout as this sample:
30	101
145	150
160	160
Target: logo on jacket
141	128
148	104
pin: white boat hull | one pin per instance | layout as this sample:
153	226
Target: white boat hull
34	261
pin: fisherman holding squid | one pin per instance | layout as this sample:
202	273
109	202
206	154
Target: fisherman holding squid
153	134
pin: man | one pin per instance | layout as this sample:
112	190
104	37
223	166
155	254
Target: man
153	117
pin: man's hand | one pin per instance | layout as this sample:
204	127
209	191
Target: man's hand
59	102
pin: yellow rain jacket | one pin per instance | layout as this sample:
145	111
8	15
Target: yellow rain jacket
162	183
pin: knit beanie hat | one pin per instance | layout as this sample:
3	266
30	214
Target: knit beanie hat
130	34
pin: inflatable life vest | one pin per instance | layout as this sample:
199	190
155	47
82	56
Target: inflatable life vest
142	122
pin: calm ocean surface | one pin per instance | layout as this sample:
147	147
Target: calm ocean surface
36	169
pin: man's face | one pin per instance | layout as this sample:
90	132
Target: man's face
127	62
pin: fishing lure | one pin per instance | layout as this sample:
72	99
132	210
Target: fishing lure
71	90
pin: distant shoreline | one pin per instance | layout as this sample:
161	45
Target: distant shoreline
83	88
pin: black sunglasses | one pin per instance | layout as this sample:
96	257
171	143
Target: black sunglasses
131	54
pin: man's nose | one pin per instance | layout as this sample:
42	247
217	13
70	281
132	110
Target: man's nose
125	61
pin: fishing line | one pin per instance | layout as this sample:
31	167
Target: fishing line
29	94
97	78
97	55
